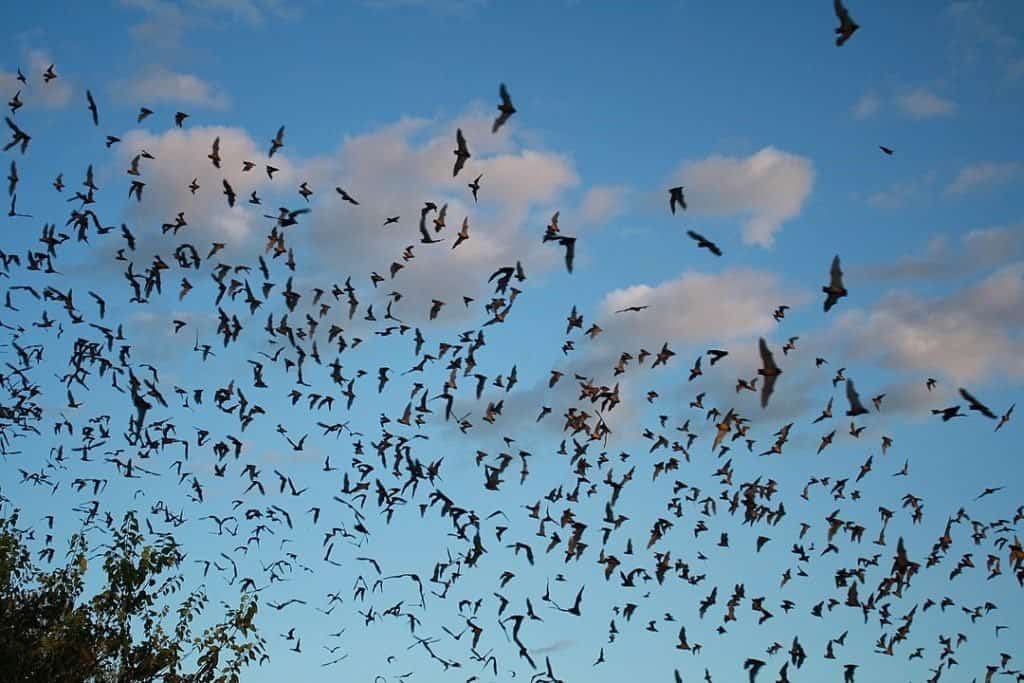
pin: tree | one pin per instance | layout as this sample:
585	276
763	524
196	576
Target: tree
50	632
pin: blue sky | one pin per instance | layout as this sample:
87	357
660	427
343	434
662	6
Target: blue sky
774	132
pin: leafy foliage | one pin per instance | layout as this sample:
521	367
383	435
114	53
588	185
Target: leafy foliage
50	632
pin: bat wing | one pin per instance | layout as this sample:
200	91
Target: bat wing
836	273
570	251
766	356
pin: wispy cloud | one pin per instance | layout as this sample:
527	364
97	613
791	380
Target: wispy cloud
164	22
983	174
976	250
921	103
980	38
900	193
602	203
969	335
437	5
163	85
162	25
253	12
915	102
867	106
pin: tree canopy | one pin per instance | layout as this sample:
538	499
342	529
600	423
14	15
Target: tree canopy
136	628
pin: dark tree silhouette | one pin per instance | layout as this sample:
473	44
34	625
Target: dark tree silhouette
132	630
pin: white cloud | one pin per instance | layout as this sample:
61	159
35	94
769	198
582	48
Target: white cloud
921	103
867	106
968	336
916	102
690	312
992	246
602	203
977	249
394	170
529	176
163	85
769	186
699	307
181	155
983	174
